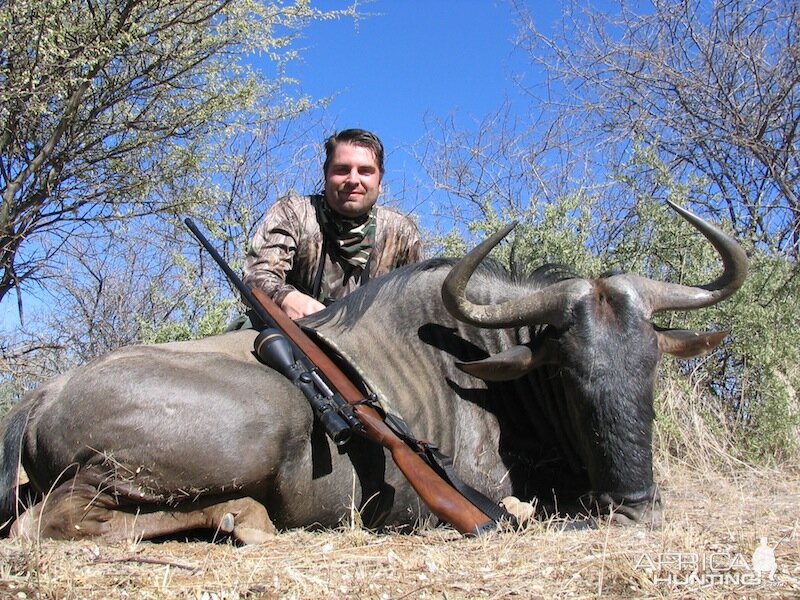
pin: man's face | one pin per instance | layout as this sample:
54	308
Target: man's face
353	180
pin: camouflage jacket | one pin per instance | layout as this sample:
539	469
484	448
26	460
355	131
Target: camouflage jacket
285	251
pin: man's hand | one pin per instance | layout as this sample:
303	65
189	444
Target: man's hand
297	304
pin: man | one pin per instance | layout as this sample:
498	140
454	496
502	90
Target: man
311	250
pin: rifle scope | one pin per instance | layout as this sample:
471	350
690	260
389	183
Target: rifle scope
274	349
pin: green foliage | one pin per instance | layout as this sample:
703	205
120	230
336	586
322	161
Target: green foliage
557	232
212	322
9	395
452	244
114	110
749	383
560	234
746	389
762	359
202	312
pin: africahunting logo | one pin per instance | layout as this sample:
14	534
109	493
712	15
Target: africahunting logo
711	568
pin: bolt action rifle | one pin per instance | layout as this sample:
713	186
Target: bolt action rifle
342	408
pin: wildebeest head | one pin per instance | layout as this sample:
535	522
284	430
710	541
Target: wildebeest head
597	338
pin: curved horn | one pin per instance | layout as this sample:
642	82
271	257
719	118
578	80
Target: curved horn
543	306
660	296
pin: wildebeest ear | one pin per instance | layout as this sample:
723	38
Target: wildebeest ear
509	364
686	344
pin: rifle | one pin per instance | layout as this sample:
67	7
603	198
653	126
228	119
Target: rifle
343	406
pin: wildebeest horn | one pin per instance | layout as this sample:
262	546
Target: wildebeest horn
545	306
661	296
550	305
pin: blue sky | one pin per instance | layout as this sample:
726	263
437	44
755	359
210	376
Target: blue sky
406	59
411	58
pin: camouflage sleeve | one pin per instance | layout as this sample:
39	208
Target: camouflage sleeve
399	240
416	250
274	248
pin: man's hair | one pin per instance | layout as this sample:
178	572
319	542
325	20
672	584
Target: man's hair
357	137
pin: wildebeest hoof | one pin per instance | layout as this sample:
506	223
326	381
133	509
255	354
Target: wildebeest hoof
251	536
226	524
245	519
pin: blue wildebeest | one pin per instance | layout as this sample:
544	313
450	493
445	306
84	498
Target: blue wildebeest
538	388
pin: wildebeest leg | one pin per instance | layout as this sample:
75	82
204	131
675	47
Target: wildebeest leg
377	496
77	509
244	518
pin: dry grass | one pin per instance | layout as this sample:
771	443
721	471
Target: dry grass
716	510
712	526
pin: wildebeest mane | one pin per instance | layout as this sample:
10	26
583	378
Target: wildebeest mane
549	274
348	310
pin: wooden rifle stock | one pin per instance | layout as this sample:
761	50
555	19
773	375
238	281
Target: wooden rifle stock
443	500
